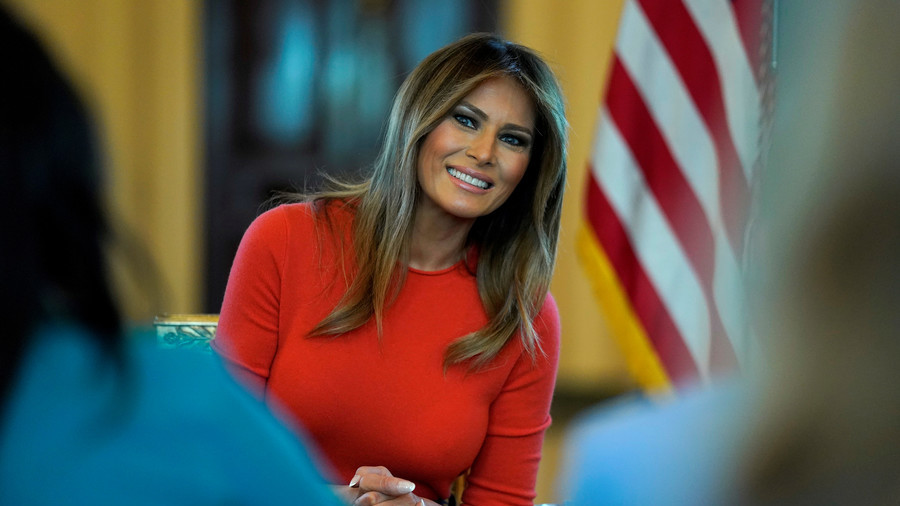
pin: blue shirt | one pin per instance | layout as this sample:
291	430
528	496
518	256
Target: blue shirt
684	452
167	427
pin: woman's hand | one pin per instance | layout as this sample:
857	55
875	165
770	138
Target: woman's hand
376	485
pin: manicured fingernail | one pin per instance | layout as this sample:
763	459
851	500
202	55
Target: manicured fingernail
421	502
406	486
355	481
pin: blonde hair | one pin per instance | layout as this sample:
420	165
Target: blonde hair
517	243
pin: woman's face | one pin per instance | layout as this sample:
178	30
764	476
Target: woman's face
472	161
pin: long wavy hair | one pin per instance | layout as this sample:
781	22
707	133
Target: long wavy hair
516	243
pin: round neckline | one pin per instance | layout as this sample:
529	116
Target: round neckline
439	272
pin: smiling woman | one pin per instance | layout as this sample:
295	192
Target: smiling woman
405	319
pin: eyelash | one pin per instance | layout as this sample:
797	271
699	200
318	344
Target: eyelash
469	122
465	121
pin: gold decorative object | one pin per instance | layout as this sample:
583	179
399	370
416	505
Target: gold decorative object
191	331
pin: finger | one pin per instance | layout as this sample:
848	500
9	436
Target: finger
388	485
375	498
344	494
381	470
371	499
373	470
405	500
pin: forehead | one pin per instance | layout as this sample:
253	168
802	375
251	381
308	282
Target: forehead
504	100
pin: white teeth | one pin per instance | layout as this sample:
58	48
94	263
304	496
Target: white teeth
469	179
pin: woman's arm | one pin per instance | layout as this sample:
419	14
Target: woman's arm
505	470
247	335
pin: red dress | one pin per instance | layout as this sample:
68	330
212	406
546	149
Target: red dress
386	402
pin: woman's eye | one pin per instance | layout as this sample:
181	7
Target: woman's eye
464	120
514	140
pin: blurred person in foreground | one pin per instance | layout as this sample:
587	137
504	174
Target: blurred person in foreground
88	416
818	421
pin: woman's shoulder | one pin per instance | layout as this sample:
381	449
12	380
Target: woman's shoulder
299	219
547	322
307	213
282	214
547	329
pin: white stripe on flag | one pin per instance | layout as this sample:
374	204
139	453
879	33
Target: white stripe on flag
653	240
716	21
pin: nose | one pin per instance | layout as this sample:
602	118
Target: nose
481	149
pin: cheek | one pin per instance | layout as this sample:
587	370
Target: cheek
428	152
422	160
516	170
442	139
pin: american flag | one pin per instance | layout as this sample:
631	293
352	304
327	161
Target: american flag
674	154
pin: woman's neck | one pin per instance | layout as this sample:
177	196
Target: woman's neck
438	239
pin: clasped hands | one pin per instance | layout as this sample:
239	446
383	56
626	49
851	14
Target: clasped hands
376	485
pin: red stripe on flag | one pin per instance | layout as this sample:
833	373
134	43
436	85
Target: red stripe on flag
689	53
647	305
674	195
662	173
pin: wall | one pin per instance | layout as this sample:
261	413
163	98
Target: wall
138	64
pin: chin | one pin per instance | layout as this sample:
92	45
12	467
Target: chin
469	212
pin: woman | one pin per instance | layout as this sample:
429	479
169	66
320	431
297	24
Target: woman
405	320
87	416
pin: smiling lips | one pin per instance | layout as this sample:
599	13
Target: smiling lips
466	178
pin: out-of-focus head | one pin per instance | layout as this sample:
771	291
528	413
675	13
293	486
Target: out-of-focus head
443	78
831	324
51	256
834	155
833	205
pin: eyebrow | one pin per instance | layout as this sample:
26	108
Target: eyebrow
483	117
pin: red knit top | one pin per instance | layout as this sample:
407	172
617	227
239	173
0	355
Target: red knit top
386	402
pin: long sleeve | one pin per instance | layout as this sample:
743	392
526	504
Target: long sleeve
248	331
505	469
